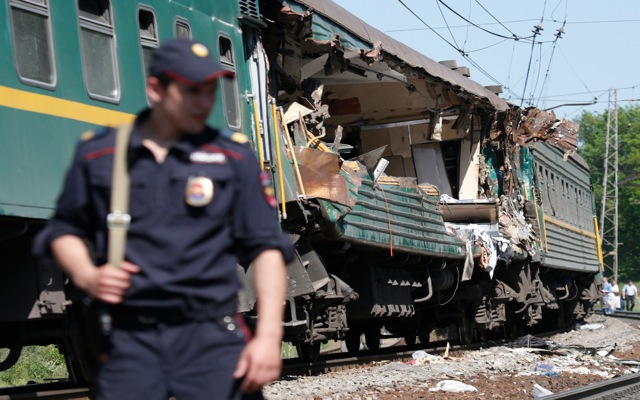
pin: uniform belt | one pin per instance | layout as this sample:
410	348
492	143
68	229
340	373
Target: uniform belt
132	316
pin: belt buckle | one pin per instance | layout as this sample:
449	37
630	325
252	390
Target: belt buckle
118	220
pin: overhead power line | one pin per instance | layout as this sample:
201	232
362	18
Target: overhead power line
514	36
513	22
461	51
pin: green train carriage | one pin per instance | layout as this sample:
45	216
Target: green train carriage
73	66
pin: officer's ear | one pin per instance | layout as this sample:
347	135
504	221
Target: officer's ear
155	89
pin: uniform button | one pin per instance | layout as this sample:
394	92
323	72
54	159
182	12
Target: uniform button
231	327
227	319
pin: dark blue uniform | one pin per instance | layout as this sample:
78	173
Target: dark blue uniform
181	307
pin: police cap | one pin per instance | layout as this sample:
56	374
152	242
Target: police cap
187	61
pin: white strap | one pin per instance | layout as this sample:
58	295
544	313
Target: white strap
118	219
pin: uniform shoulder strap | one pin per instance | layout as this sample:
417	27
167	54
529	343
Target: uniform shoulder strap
118	219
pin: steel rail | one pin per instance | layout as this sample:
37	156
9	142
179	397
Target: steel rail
609	389
46	391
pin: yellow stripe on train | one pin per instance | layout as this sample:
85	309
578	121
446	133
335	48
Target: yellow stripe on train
42	104
562	224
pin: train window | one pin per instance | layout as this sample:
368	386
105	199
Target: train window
97	42
229	85
182	30
32	42
563	201
578	204
544	177
148	32
553	194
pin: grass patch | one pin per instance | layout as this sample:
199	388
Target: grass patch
37	364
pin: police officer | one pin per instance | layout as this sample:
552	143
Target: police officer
198	206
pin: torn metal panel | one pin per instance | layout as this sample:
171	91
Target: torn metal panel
532	124
330	21
395	215
320	173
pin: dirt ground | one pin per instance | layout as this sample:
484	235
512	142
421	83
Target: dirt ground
495	373
510	386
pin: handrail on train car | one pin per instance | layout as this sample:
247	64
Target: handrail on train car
276	131
598	243
296	167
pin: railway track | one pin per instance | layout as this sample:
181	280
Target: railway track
626	314
336	361
621	388
46	391
331	362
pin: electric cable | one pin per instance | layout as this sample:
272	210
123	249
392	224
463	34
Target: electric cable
496	19
514	37
447	24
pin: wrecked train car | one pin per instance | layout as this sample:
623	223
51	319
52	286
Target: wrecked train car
419	198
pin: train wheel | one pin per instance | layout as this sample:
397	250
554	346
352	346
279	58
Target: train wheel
465	329
82	342
424	339
372	338
308	351
410	340
352	341
12	357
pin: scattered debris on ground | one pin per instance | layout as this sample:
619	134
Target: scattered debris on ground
526	368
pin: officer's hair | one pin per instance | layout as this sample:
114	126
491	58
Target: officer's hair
164	79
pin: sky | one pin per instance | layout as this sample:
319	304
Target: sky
599	49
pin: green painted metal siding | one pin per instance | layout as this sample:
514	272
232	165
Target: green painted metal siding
567	249
36	148
397	216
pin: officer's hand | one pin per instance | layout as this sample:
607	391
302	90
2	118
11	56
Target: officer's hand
260	363
106	283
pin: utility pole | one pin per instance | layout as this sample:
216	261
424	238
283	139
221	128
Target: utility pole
609	205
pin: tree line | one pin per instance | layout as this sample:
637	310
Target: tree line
591	146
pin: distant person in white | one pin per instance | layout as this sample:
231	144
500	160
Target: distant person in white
615	292
629	293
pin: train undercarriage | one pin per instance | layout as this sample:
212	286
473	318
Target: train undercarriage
371	295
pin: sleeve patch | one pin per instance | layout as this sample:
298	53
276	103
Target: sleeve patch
239	138
267	188
88	135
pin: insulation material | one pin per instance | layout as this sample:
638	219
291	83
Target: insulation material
469	170
430	166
